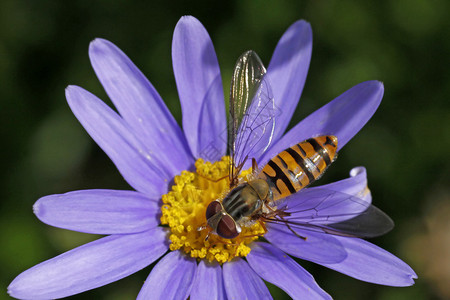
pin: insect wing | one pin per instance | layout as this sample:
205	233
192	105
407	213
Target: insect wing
372	222
252	112
333	212
257	126
247	75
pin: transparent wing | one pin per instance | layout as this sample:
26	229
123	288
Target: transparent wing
252	112
332	212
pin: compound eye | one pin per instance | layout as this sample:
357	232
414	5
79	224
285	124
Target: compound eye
227	228
212	209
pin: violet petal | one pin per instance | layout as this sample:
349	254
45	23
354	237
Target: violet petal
356	185
241	282
171	278
208	283
141	107
90	266
111	133
342	117
318	247
276	267
370	263
199	84
287	71
99	211
323	206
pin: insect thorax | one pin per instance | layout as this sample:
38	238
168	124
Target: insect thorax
246	200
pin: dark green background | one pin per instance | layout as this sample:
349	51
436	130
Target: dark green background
405	146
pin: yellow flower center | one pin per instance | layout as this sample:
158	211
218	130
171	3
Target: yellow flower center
184	209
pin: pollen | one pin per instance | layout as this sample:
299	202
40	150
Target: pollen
184	209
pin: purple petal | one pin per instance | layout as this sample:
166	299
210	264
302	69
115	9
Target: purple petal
342	117
171	278
208	283
323	206
141	107
356	185
274	266
336	202
318	247
200	89
117	140
328	210
287	71
370	263
99	211
241	282
90	266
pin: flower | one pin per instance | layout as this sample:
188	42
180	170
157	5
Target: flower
152	152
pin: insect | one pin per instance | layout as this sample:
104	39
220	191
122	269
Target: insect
275	193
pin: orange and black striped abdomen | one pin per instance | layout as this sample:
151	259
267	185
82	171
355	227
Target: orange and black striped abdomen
300	165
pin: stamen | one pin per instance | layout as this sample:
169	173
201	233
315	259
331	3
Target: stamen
184	209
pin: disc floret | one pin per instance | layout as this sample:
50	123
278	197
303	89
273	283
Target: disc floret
184	209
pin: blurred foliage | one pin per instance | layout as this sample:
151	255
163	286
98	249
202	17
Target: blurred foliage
404	43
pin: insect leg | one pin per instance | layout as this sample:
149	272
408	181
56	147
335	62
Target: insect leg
210	230
263	225
214	180
254	166
293	231
241	165
271	217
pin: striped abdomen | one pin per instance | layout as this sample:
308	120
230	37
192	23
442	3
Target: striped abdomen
300	165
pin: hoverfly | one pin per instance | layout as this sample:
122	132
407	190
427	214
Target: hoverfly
281	181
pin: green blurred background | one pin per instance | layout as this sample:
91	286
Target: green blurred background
404	43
